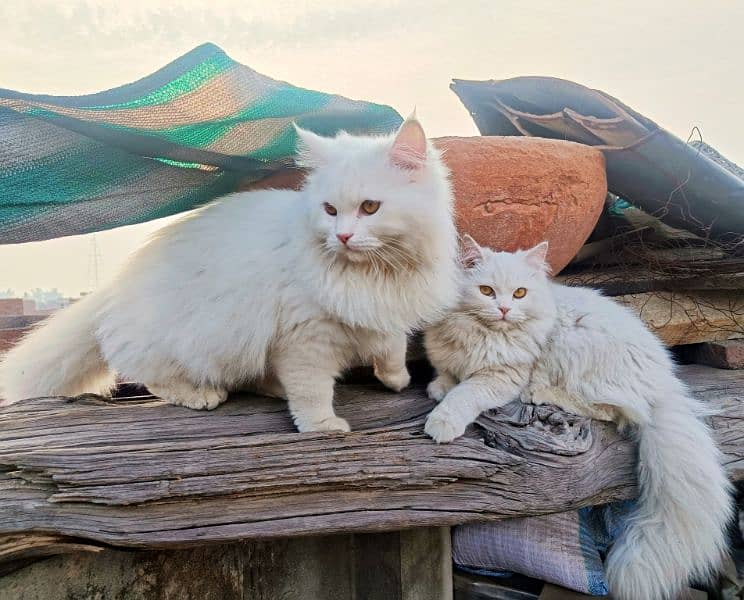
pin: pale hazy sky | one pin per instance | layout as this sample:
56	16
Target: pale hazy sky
680	63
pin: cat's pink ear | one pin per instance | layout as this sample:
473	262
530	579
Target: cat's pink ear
312	149
537	257
471	253
409	147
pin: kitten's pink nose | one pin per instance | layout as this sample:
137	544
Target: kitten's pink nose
344	237
504	310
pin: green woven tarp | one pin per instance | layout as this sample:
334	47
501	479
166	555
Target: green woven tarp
170	142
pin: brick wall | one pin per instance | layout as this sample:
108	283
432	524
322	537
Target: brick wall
14	327
11	306
19	306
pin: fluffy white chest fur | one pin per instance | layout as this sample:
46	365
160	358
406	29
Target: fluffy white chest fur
515	334
275	290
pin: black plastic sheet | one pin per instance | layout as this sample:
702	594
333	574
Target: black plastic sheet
646	164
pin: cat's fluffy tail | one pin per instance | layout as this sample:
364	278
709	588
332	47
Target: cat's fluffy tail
59	358
678	531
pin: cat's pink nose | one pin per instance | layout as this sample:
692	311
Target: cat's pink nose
344	237
504	310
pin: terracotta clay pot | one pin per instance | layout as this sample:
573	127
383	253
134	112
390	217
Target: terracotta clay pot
514	192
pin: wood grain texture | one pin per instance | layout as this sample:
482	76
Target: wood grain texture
618	281
690	317
141	473
406	565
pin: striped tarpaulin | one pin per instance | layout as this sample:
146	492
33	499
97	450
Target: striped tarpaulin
165	144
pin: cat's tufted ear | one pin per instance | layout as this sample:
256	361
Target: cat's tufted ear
537	257
313	150
409	147
471	253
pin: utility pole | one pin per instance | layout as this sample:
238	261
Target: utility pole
94	263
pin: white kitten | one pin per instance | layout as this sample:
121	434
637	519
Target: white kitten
277	290
515	334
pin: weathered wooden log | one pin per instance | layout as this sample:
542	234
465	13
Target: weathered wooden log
676	312
141	473
690	317
618	281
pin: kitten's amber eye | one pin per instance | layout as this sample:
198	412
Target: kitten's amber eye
330	209
520	293
370	206
486	290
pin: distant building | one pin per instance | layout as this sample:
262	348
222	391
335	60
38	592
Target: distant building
15	307
47	300
19	315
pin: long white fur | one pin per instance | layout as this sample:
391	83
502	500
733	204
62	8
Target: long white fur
576	349
256	290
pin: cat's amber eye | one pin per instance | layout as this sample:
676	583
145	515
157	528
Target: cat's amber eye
486	290
370	207
520	293
330	209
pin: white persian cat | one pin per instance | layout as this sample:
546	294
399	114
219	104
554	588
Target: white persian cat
515	333
271	290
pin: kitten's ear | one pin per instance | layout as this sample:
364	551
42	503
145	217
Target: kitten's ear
409	146
312	149
537	257
471	253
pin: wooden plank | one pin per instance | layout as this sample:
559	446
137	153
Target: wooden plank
208	573
728	354
382	566
143	473
377	572
426	563
635	279
315	568
690	317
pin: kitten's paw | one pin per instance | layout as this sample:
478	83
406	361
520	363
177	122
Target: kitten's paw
438	388
203	399
394	381
540	395
190	397
328	424
442	428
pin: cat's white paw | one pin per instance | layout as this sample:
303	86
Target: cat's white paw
442	428
394	381
328	424
202	400
438	389
538	396
190	397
